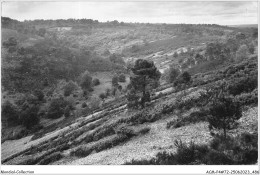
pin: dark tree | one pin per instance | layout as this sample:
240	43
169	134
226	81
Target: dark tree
86	81
96	82
172	74
120	88
185	77
102	96
29	115
9	113
69	88
115	81
224	113
67	111
56	108
132	99
121	78
144	75
84	104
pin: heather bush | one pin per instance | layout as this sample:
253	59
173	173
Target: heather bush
172	74
121	78
115	81
194	117
241	149
84	105
144	130
245	84
248	98
51	158
67	111
105	131
56	108
82	152
102	96
96	82
242	53
125	131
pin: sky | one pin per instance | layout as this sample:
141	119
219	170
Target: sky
193	12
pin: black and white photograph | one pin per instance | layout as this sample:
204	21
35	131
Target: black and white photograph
129	83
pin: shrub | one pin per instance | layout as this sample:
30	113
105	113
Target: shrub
182	80
172	74
70	102
106	131
10	113
175	55
217	158
108	92
242	53
69	88
51	158
56	108
86	81
96	82
185	153
144	130
82	152
185	77
84	104
12	41
241	149
224	112
132	99
125	131
251	48
120	88
67	111
28	115
115	81
102	96
39	94
247	98
121	78
244	84
94	102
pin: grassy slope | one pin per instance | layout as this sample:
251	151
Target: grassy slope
158	139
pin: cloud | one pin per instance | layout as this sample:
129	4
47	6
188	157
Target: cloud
220	12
